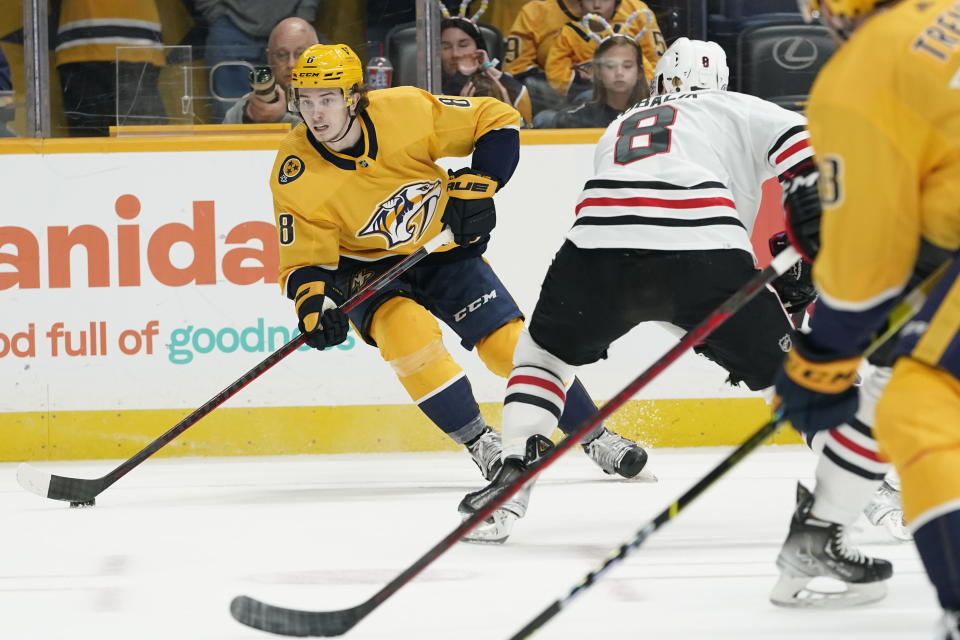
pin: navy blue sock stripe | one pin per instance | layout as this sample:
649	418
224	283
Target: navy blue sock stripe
938	542
537	401
861	427
578	409
453	408
849	466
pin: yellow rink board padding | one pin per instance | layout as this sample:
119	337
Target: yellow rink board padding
218	137
75	435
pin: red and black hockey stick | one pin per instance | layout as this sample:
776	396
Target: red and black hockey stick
898	317
82	492
296	622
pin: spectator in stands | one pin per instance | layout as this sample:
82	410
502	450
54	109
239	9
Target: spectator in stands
534	32
5	83
91	67
288	40
618	84
6	102
578	40
239	31
382	15
463	52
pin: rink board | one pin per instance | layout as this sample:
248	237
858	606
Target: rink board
137	281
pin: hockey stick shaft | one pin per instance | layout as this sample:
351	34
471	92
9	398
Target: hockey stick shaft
334	623
898	317
82	490
755	440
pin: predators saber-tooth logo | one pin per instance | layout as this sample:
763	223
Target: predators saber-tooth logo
406	214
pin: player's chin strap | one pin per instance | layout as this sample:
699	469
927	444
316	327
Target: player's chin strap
353	117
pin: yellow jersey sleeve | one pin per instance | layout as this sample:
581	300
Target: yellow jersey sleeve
520	45
304	243
571	47
459	122
533	33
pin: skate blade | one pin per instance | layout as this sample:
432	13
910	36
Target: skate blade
494	530
796	592
645	476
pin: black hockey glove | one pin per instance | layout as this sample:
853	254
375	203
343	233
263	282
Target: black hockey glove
324	324
470	212
795	287
801	203
815	390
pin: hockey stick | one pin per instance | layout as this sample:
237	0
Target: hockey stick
898	317
80	491
297	622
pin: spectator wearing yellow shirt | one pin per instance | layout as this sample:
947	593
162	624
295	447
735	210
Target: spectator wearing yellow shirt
578	40
92	70
534	31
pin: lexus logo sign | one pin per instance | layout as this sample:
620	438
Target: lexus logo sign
795	53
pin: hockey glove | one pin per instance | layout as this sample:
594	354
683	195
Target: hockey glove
795	287
470	213
814	390
801	204
324	324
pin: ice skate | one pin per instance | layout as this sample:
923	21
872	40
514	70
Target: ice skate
496	528
885	511
485	451
615	454
816	548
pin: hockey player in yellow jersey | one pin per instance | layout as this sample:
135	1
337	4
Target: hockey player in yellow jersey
355	187
884	118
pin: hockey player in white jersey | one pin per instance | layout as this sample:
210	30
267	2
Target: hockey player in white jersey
662	233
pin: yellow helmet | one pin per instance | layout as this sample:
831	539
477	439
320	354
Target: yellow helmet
841	13
841	8
327	66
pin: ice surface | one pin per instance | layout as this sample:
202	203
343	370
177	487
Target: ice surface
169	545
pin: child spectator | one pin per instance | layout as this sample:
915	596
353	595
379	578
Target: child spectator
577	42
534	31
618	84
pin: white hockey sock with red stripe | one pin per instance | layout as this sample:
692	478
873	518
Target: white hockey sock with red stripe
535	395
850	468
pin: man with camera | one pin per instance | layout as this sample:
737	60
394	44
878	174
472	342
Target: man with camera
267	100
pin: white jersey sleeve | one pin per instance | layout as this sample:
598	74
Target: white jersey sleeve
684	172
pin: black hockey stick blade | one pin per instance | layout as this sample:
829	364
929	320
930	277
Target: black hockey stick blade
899	316
85	490
280	620
294	622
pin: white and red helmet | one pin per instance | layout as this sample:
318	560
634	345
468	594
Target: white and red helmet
691	65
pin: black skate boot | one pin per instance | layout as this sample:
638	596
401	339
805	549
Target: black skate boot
485	450
615	454
816	548
497	527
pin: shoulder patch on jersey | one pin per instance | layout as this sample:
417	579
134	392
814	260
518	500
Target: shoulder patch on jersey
290	169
